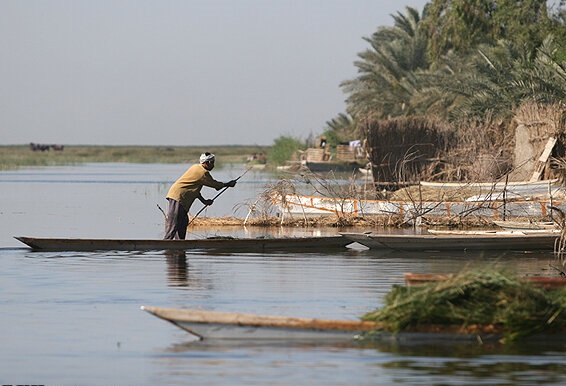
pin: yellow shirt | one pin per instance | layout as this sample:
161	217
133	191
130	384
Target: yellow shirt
187	188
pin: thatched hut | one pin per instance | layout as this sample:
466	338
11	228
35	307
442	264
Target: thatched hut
404	149
539	127
411	149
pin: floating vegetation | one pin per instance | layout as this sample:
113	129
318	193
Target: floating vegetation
476	301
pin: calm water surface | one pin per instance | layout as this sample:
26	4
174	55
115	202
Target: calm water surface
74	319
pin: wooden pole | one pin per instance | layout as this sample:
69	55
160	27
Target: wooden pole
215	197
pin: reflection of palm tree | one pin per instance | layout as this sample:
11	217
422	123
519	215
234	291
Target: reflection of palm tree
177	268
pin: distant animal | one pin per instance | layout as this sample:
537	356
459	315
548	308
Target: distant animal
38	147
43	147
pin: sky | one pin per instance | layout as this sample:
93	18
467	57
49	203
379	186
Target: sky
179	72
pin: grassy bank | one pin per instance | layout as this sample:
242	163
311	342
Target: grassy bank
12	157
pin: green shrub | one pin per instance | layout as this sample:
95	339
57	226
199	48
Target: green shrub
283	149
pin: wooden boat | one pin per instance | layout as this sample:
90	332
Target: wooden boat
225	244
224	325
546	282
496	232
298	205
514	186
517	241
209	325
500	191
526	225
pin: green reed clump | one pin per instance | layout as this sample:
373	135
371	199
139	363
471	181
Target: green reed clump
475	298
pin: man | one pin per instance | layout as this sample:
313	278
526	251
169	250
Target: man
184	192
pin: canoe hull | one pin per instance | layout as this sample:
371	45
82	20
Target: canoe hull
457	242
230	331
235	245
223	325
296	205
524	225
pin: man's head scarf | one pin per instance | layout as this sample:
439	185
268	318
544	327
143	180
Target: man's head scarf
206	157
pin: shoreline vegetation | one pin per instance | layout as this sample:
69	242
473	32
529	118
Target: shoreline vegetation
15	156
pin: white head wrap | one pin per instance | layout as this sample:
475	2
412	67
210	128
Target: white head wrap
206	158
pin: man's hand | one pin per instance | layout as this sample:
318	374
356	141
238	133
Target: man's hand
230	184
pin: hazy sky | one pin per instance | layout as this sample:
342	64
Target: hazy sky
186	72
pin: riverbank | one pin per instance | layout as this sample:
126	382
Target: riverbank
345	222
14	156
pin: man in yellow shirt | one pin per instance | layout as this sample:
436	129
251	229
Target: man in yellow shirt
185	191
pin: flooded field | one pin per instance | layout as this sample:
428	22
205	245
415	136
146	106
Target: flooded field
72	318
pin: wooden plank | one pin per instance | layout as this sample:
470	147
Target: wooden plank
541	163
545	282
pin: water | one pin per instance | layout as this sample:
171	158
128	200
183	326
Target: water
74	319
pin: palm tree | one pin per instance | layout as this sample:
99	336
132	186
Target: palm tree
545	80
506	76
386	83
341	128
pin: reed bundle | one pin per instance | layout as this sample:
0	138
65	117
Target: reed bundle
475	301
403	149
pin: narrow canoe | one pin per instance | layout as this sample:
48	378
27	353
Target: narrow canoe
213	326
225	244
496	186
510	241
296	205
546	282
526	225
225	325
494	232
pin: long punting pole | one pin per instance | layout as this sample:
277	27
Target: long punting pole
215	197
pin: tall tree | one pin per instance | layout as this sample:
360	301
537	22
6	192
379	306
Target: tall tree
457	25
525	23
385	82
462	25
504	77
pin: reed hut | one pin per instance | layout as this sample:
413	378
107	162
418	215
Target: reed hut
540	139
402	150
529	147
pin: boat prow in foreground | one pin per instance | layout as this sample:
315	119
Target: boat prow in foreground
259	244
213	326
225	325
